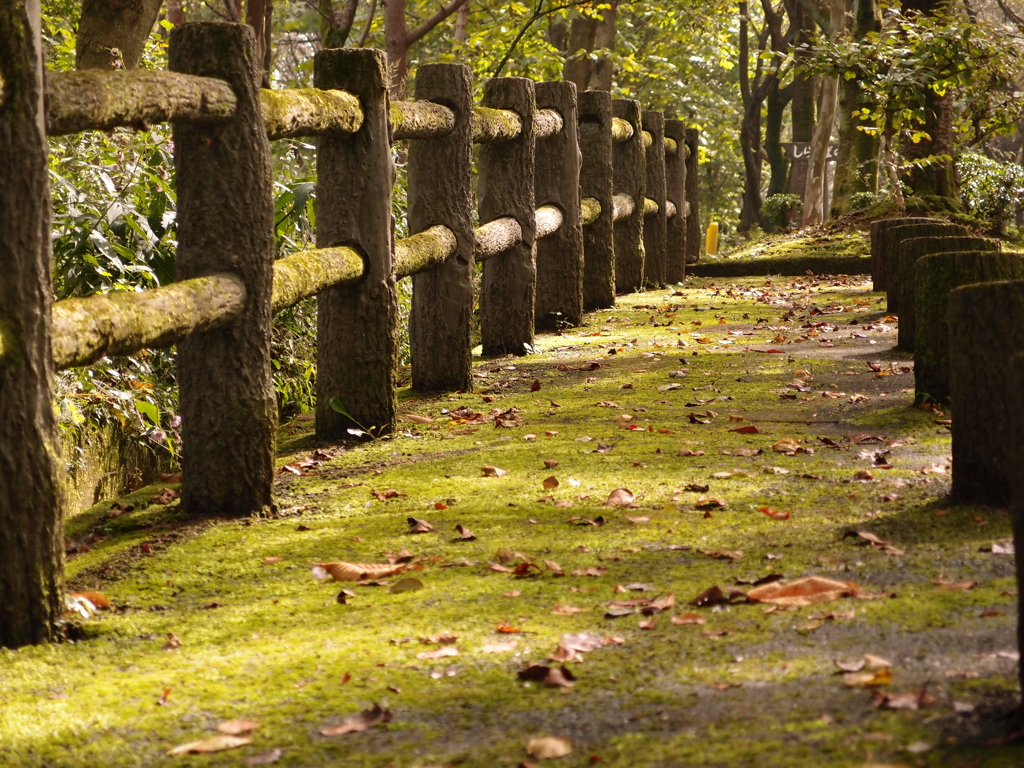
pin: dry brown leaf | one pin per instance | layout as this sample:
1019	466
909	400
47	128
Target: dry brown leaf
650	623
548	747
803	592
408	584
550	482
620	497
439	653
566	610
505	647
98	599
265	758
550	463
213	744
723	554
415	419
549	677
172	642
358	723
912	700
464	533
237	727
513	593
689	618
591	571
555	568
493	472
418	525
355	571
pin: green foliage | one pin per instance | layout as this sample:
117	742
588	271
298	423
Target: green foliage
777	209
989	188
861	200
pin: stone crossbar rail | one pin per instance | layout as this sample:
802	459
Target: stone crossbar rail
579	197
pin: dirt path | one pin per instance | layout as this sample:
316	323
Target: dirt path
763	429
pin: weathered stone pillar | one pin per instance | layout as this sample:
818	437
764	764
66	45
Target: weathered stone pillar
911	251
986	329
694	235
935	276
675	193
440	192
879	273
595	127
31	538
559	255
894	237
1016	400
226	224
505	188
655	225
629	165
357	325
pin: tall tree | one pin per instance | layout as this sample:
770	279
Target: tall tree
335	22
31	551
857	161
814	195
399	38
113	33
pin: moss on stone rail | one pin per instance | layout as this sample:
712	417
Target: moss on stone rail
86	329
651	207
491	125
590	210
420	120
102	100
309	112
306	273
424	251
621	130
670	146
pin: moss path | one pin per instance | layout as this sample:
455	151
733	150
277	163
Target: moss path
658	396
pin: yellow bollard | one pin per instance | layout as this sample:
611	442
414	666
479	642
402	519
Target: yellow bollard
711	242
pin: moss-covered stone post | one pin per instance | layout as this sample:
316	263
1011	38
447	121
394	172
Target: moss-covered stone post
912	250
226	224
935	276
1016	400
31	539
440	192
357	325
505	188
595	131
986	329
894	238
630	170
559	255
656	225
879	274
694	236
675	193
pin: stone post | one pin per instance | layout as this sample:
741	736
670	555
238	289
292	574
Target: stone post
630	172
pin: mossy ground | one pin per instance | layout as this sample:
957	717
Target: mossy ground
263	640
825	242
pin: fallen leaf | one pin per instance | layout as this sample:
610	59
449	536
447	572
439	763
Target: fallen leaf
437	653
549	677
638	519
270	560
506	628
358	723
774	514
689	618
265	758
211	745
722	554
513	593
697	488
875	542
587	520
98	599
705	503
237	727
955	586
554	567
591	571
493	472
408	584
172	642
415	419
550	482
803	592
464	533
620	497
750	429
717	596
687	452
550	463
355	571
650	623
912	701
548	747
417	525
506	647
566	610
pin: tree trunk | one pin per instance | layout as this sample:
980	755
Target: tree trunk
911	251
804	103
335	26
31	551
112	33
986	329
596	178
176	12
937	275
693	225
857	161
894	239
778	99
814	194
601	77
582	38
